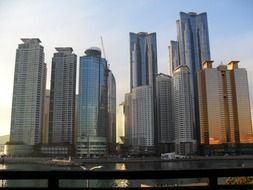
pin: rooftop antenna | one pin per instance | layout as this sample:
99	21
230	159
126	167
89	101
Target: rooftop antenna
103	49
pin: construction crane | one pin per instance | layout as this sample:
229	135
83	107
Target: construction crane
103	49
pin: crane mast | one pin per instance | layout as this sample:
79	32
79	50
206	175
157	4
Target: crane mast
103	49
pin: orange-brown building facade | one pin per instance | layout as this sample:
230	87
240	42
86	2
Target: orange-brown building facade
224	104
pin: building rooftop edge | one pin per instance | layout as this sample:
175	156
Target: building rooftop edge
64	49
28	40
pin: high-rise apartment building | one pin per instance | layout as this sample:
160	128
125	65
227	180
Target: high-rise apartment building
111	130
62	96
182	97
165	119
225	116
93	105
191	49
28	93
46	117
143	70
143	119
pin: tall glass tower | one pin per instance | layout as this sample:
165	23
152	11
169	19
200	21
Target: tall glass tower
143	59
140	103
111	131
93	104
191	49
62	97
28	93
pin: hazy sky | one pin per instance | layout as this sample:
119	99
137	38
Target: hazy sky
80	23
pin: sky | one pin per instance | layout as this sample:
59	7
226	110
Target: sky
80	23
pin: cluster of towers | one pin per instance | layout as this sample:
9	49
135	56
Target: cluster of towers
195	109
59	122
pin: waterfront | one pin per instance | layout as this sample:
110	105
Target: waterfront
165	165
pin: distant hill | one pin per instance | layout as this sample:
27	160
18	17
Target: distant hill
4	139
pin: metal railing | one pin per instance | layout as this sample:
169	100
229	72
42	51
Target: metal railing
53	177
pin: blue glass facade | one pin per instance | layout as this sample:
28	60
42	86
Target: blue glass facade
174	56
111	131
92	93
143	59
92	101
193	44
143	70
193	40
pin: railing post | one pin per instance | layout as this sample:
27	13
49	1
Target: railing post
213	182
53	183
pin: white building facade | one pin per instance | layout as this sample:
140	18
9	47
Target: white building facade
184	125
143	119
28	93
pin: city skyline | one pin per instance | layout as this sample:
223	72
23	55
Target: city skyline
228	40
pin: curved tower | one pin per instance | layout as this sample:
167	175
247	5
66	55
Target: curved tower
92	119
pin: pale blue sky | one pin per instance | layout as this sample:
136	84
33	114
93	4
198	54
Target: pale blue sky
80	23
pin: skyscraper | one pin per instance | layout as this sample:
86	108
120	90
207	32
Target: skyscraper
46	117
165	120
62	96
184	126
28	93
143	69
128	120
224	104
143	119
111	130
93	104
143	59
174	56
193	40
191	49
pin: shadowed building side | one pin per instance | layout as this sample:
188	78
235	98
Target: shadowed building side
165	120
62	97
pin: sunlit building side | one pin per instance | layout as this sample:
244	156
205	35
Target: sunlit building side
28	93
120	128
225	115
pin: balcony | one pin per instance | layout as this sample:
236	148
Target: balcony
53	177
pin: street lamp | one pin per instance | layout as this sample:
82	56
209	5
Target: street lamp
93	168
